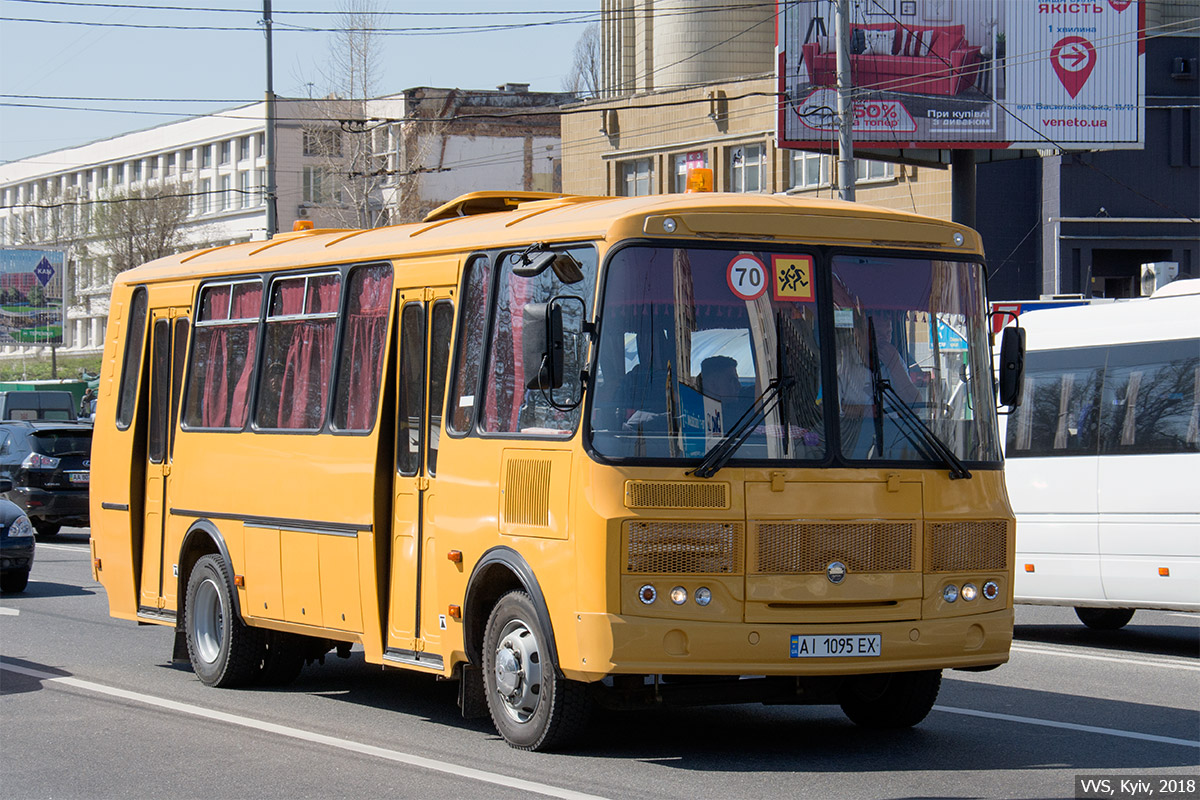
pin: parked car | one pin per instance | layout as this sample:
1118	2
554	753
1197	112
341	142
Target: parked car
16	544
49	464
49	404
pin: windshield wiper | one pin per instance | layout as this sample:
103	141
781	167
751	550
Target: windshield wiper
909	422
720	453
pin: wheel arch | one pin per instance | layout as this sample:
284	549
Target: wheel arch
202	538
500	571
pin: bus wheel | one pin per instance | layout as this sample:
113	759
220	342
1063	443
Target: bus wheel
896	700
532	707
1104	619
223	651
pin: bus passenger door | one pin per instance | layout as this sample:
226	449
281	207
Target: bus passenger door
415	620
168	346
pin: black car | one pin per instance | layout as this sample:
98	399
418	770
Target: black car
49	464
16	544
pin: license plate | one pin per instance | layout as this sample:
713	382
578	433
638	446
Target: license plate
79	477
834	646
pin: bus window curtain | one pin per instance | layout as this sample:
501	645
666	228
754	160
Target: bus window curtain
309	359
215	407
245	306
366	325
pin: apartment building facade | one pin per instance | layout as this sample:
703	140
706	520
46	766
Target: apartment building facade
337	163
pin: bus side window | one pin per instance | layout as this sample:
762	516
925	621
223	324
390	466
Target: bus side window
131	367
412	389
357	391
469	354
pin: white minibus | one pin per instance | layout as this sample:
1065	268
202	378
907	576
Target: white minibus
1103	457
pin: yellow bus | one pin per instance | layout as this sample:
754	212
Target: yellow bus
568	451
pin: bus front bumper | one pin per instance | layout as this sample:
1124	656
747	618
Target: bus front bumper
614	644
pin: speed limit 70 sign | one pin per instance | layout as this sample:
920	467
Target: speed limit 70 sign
747	277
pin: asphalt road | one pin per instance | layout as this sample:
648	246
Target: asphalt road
90	707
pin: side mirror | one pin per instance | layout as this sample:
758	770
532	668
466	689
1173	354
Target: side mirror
542	345
1012	366
530	264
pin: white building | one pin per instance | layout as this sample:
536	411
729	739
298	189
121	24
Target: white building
338	163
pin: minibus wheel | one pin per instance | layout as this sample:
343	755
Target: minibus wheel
223	651
896	700
1104	619
532	707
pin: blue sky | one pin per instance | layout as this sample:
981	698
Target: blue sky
213	69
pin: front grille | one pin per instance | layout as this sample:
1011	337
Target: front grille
801	547
676	494
683	548
968	546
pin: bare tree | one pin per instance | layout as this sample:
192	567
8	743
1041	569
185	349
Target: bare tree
584	77
343	173
134	226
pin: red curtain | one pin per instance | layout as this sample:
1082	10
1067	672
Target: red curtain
366	326
214	407
309	359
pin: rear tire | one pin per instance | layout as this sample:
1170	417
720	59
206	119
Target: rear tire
532	707
896	700
14	581
224	652
1104	619
45	530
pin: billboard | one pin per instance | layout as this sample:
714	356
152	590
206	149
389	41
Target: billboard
933	74
31	296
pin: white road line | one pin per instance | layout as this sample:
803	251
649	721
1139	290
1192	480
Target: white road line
73	548
1070	726
1186	616
455	770
9	612
1141	662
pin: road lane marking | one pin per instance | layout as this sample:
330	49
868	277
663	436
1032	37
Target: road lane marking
10	612
1070	726
71	548
1142	662
455	770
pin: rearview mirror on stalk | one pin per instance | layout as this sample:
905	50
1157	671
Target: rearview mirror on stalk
1012	366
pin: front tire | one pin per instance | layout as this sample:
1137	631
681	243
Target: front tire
224	652
14	581
531	706
896	700
1104	619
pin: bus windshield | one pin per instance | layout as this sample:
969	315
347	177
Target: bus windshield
692	337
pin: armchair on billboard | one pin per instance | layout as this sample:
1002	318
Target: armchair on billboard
931	74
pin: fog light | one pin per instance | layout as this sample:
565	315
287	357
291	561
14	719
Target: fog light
950	593
679	595
991	590
647	594
969	592
703	596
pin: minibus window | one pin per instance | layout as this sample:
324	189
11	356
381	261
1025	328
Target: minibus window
132	367
439	356
411	405
226	343
357	399
469	360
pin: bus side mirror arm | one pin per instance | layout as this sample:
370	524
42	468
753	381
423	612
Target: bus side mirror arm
1012	366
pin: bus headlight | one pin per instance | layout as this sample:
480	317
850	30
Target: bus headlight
969	592
950	593
679	595
647	594
991	590
703	596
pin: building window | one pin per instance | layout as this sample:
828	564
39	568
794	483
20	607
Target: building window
323	142
243	194
187	160
226	148
244	149
102	175
169	165
206	154
202	205
809	170
261	138
873	170
636	177
262	186
135	171
681	163
223	198
746	168
319	186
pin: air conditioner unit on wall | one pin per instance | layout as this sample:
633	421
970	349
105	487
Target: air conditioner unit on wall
302	212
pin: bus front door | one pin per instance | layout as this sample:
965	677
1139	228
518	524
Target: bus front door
415	620
168	346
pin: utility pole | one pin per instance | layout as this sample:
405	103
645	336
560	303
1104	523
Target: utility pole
272	223
845	106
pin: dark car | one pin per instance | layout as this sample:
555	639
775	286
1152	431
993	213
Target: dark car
49	464
16	544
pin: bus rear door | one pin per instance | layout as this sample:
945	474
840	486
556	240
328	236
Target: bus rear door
415	620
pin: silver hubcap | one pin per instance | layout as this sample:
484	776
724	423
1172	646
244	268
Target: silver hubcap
518	671
208	626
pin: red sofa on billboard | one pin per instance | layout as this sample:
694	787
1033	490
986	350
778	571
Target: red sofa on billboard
933	59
